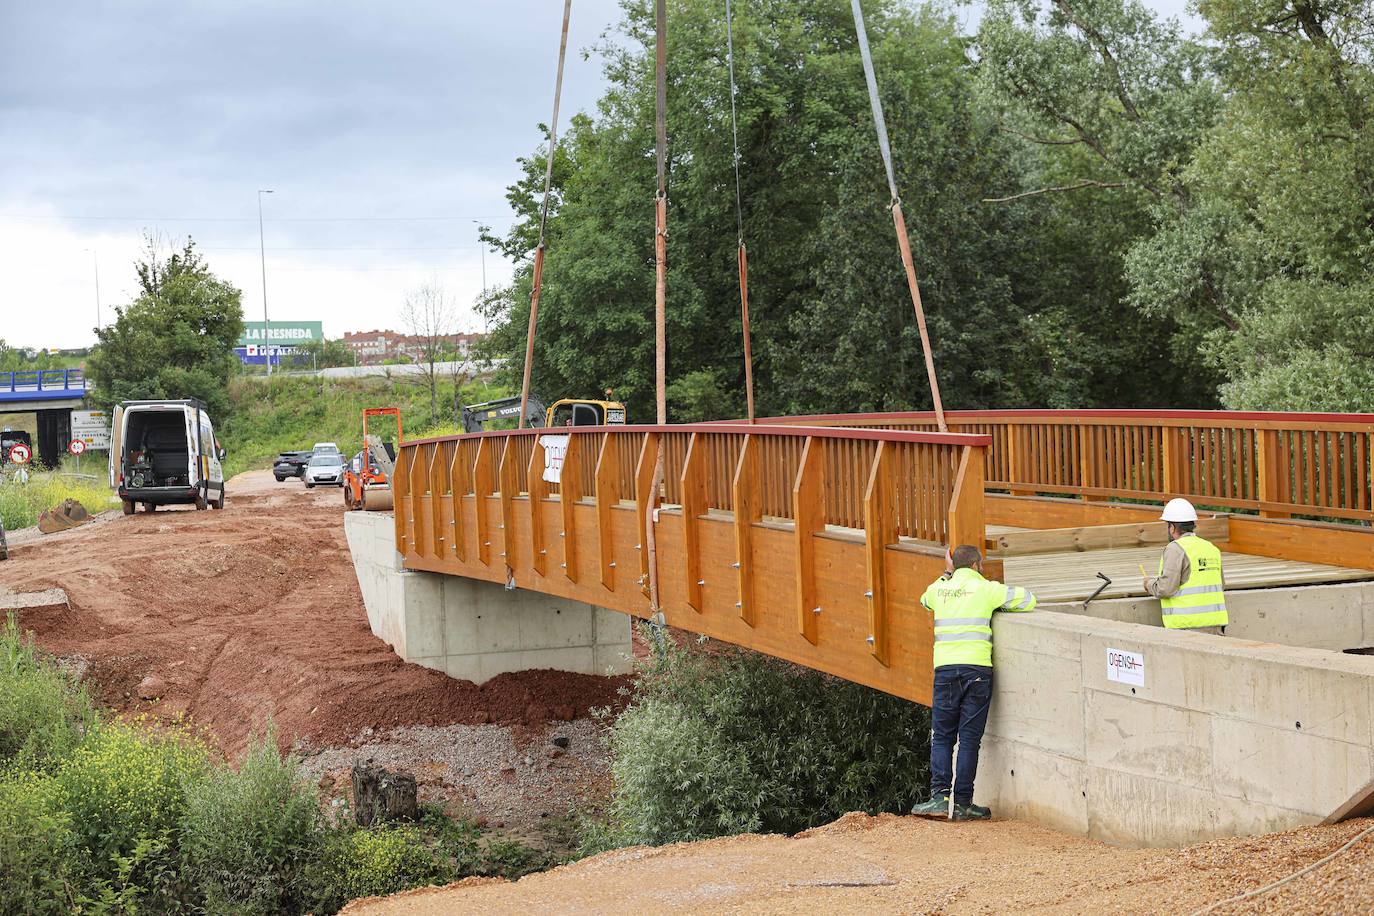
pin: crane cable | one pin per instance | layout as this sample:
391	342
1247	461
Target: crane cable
538	278
898	220
739	218
660	294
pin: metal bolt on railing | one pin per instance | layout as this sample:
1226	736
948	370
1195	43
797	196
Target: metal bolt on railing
612	564
734	566
871	640
737	604
637	547
701	582
815	610
542	551
868	595
563	565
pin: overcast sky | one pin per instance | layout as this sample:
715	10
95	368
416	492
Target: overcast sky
118	118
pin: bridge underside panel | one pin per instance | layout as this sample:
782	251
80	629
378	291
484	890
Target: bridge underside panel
842	626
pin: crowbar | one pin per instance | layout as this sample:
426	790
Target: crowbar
1105	582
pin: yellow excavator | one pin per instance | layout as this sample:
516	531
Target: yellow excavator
567	412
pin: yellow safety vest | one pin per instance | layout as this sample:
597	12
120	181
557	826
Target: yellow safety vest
963	604
1201	600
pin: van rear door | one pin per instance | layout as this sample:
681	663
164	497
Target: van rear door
116	444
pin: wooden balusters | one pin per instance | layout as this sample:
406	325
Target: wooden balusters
398	496
693	486
569	493
607	497
458	477
880	529
1019	459
509	484
482	477
418	486
809	510
538	490
644	498
748	500
438	493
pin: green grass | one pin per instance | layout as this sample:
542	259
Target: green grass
293	413
21	503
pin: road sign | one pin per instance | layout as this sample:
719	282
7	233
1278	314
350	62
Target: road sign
91	427
20	454
76	446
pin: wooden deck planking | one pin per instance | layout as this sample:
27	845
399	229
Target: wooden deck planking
1072	576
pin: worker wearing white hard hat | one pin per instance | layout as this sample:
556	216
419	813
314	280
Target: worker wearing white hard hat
1189	586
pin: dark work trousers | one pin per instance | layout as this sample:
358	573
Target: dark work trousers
959	709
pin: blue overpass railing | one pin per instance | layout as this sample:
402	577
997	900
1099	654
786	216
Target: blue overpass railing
42	385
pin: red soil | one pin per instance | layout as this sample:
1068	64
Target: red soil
250	613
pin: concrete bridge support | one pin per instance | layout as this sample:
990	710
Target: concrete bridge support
474	630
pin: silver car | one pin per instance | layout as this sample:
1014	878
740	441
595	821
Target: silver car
325	469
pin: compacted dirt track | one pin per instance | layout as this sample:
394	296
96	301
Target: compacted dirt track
231	617
889	864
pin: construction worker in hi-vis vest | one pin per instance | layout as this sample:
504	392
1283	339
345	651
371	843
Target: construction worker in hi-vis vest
1190	587
962	603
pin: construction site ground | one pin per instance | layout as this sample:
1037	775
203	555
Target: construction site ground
251	615
236	618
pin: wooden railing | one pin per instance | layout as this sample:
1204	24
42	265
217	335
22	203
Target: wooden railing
811	544
1277	465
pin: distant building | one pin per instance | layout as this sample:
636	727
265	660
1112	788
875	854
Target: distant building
374	347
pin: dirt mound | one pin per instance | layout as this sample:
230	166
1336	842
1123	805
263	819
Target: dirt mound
254	612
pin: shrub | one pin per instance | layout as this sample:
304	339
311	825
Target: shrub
248	836
125	790
42	715
460	839
382	860
731	741
39	857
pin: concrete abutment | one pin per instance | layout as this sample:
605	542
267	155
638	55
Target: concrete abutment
474	630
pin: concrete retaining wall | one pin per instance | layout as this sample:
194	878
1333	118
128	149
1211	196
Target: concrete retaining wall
475	630
1225	737
1334	617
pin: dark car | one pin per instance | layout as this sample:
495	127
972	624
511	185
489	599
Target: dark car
290	464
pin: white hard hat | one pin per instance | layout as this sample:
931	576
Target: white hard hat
1179	510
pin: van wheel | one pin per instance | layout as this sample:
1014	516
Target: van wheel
309	485
128	505
219	503
201	504
150	507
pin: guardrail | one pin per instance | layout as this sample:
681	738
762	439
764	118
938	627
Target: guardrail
57	381
806	543
1278	465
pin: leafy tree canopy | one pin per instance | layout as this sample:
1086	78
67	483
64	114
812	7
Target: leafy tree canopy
176	339
1024	299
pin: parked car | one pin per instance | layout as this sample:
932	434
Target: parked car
324	468
327	447
290	464
165	453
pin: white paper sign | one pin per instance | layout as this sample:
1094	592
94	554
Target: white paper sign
555	450
1126	667
92	427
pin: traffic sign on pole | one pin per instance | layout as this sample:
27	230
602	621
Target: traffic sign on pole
20	454
76	446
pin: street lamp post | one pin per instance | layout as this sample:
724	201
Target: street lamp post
483	249
262	252
95	262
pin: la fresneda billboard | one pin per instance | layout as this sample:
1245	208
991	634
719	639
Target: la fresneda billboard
280	339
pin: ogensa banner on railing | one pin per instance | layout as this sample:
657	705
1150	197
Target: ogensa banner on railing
555	450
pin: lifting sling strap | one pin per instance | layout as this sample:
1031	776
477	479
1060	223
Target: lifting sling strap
538	278
739	218
898	220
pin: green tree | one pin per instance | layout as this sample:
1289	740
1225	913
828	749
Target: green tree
831	316
322	354
176	339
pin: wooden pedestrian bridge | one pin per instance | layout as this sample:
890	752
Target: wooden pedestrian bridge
812	538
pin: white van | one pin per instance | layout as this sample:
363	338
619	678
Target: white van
165	453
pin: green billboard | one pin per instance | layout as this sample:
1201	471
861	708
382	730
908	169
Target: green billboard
281	333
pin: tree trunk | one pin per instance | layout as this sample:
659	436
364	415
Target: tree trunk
380	795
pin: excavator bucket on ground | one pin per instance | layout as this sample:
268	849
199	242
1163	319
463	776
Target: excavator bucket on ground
68	514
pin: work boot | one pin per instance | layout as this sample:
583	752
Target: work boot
971	812
936	807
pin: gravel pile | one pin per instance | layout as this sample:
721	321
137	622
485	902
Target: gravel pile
505	777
